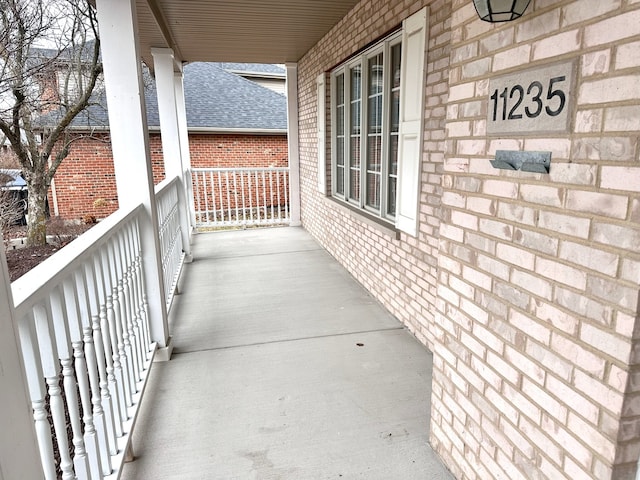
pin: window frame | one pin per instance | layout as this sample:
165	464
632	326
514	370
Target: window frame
383	46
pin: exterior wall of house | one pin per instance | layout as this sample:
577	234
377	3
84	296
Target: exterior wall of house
85	183
524	285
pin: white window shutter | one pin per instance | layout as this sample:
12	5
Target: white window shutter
321	121
414	35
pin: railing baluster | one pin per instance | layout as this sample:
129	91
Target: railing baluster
206	196
271	193
257	181
220	199
132	307
91	359
244	205
286	194
61	324
250	196
106	322
82	377
126	307
98	322
195	182
214	206
124	373
51	371
264	195
278	194
136	298
143	308
37	393
226	187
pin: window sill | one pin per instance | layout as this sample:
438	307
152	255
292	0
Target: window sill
362	216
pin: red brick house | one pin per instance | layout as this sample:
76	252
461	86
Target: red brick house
236	116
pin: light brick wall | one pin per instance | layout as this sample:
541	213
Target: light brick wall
85	181
524	285
549	365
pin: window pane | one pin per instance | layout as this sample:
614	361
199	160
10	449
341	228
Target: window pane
340	120
354	170
391	196
375	114
356	82
393	155
395	65
354	184
376	75
395	111
355	118
340	151
340	180
340	89
354	152
374	152
373	190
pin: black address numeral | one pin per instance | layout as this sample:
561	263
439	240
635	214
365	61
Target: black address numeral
556	100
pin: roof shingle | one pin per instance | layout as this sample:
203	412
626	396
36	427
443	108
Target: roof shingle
215	100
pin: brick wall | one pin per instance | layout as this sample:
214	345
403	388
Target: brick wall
541	375
85	181
524	285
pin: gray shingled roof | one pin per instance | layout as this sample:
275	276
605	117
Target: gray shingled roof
268	69
215	99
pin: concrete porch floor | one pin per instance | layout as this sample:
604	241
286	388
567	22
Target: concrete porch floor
284	368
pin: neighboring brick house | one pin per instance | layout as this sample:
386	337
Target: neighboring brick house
234	120
524	285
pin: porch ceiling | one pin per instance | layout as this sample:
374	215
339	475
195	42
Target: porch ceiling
251	31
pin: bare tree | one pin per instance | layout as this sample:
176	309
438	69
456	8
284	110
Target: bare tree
49	68
11	206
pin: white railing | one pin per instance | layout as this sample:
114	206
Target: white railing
241	196
170	233
83	326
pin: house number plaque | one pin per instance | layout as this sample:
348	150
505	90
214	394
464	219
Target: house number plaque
537	100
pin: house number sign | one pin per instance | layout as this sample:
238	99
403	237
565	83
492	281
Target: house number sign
537	100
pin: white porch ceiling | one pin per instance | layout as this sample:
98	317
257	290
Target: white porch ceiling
260	31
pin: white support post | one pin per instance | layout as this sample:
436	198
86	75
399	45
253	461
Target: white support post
293	142
130	145
183	130
164	64
19	456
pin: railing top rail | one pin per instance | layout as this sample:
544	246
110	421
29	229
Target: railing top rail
165	184
48	274
242	169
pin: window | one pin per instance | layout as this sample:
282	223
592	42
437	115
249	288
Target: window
365	106
376	126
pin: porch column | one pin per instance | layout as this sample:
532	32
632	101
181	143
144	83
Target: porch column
293	143
130	145
181	108
164	64
19	455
